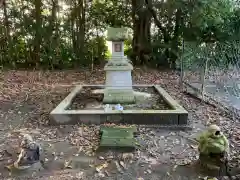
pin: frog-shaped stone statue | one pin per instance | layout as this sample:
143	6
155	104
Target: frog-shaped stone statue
213	147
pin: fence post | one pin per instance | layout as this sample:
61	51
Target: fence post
203	77
182	68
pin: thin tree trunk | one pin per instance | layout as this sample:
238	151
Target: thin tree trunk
81	29
73	27
38	26
175	39
6	22
52	37
5	40
53	18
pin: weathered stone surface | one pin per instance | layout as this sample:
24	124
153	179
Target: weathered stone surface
182	119
118	79
118	71
117	34
131	118
118	136
177	116
118	131
118	142
122	96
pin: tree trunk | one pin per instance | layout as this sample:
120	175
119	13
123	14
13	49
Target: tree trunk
6	22
80	30
53	18
141	43
52	44
5	38
73	24
38	27
176	38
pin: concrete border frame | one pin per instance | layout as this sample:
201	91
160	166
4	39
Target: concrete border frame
176	116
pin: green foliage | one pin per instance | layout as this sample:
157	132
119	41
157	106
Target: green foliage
127	47
108	55
96	50
60	37
206	20
111	13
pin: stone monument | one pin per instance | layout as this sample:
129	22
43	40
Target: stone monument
118	70
31	155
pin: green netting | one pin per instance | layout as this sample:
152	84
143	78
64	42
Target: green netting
212	71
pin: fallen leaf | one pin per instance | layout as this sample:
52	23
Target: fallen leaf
67	164
110	157
79	175
107	173
101	158
118	167
127	156
122	164
100	174
175	167
102	166
149	171
10	167
194	147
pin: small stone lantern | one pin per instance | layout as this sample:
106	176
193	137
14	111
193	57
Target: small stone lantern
118	70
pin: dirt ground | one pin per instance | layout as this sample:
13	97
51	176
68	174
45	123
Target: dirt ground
27	97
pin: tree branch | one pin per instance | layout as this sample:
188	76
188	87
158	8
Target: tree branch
156	21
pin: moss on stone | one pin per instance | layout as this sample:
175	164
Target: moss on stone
117	34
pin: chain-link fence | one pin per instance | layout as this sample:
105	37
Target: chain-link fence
212	72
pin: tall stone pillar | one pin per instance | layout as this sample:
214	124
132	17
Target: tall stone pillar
118	70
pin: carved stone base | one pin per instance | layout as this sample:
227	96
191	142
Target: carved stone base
115	96
118	82
212	162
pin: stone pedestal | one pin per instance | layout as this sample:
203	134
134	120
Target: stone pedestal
118	70
118	82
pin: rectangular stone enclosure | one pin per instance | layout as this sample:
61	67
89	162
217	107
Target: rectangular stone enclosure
176	115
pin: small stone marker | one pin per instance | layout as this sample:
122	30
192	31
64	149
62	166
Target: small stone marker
30	156
115	136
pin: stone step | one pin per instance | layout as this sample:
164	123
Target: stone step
117	142
115	136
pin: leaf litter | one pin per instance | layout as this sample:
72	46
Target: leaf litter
29	96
